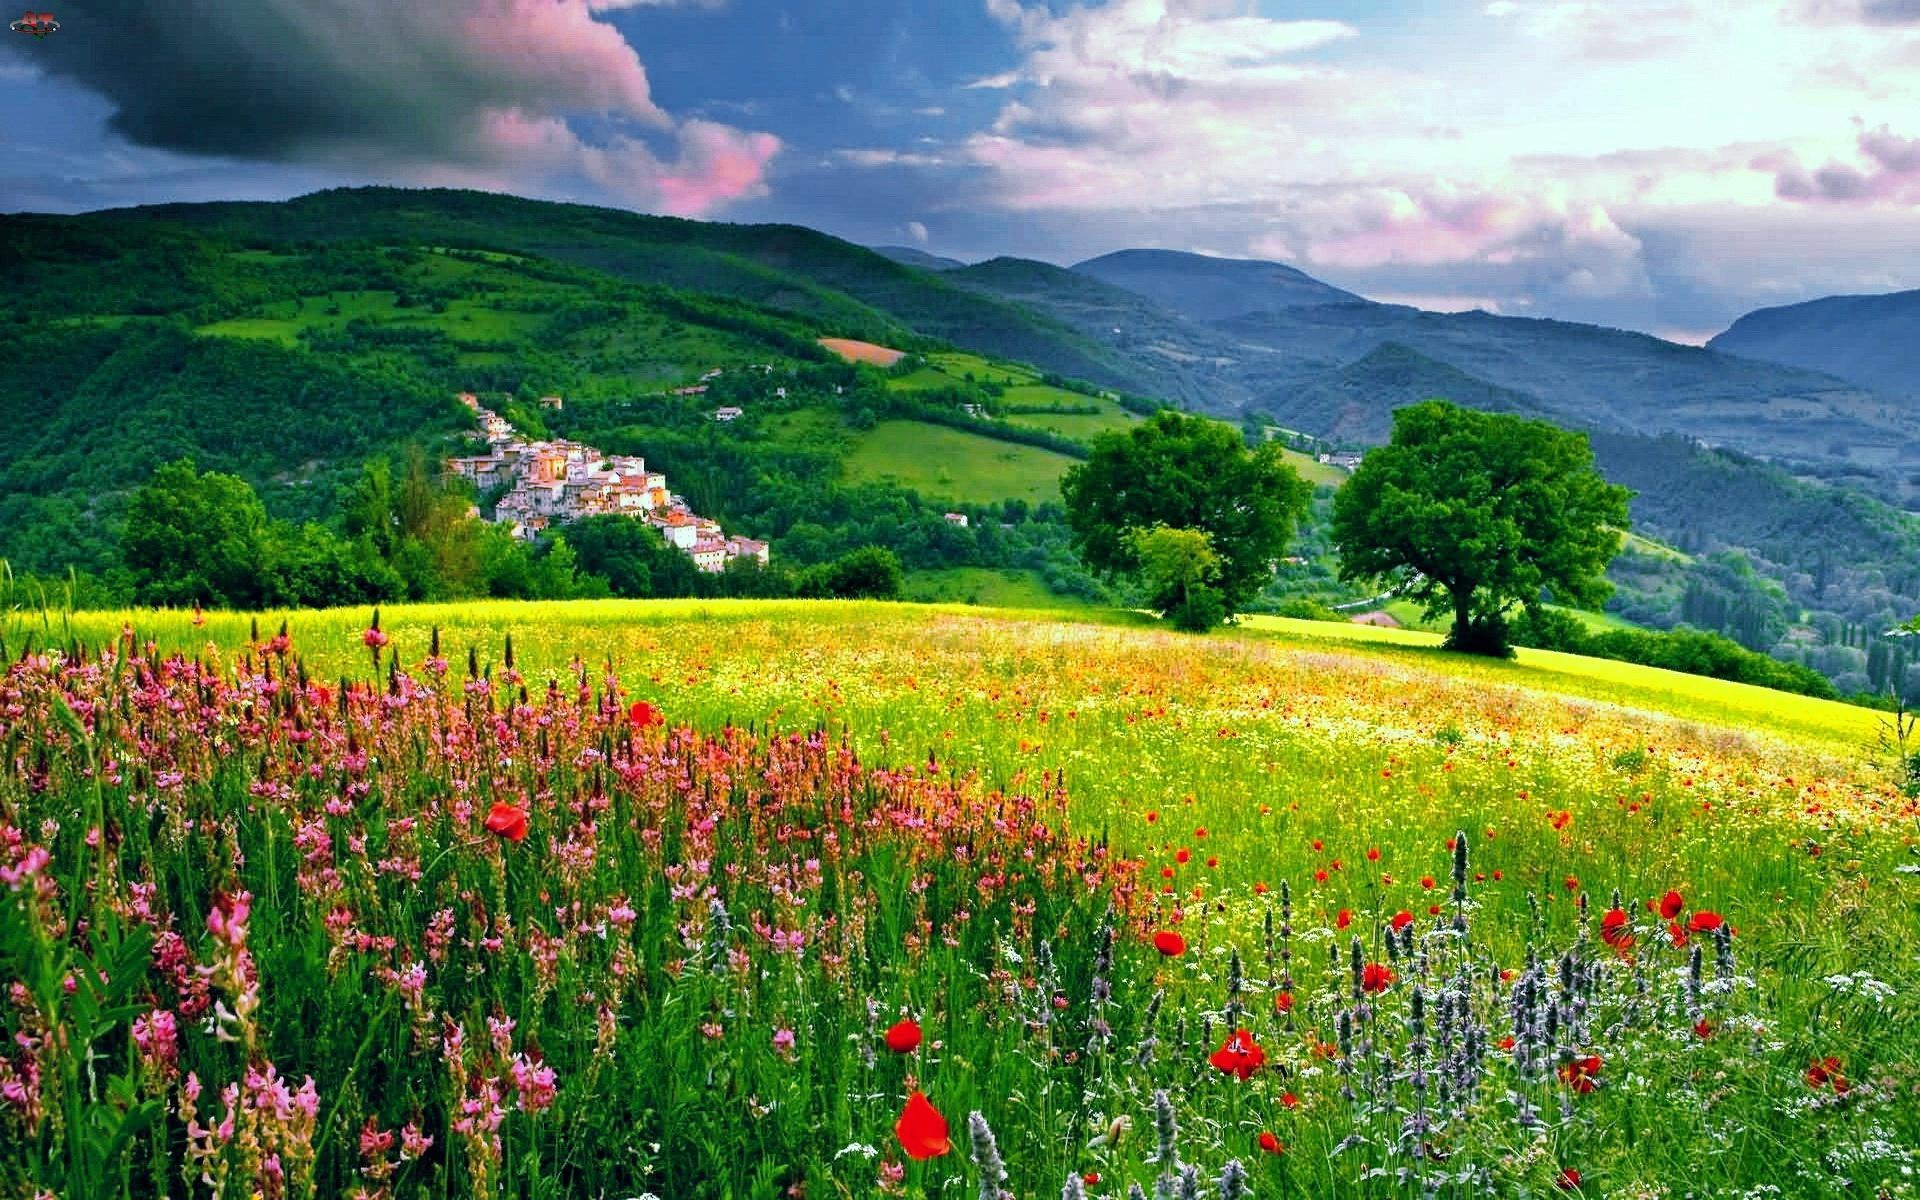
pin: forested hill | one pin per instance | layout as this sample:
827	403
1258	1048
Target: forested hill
124	346
817	276
1873	341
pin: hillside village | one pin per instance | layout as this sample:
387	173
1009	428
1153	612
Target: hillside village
551	483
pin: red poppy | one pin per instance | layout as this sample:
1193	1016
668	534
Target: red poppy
1426	881
1671	906
1169	943
1506	1043
1581	1073
1342	919
1091	1179
508	821
1676	933
644	715
1270	1143
1318	845
1705	921
1239	1055
1376	977
1182	855
1825	1072
1703	1029
1283	1002
903	1037
1570	1179
1613	929
1288	1100
1373	854
921	1129
1401	920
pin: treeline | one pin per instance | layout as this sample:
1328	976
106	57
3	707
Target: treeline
205	539
1691	651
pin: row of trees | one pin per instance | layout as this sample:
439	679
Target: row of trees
1475	514
1465	512
194	538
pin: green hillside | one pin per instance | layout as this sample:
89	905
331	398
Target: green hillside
951	464
857	291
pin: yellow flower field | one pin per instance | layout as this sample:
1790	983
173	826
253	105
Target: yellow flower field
1203	779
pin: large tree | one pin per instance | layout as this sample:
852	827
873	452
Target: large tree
1475	512
196	539
1186	472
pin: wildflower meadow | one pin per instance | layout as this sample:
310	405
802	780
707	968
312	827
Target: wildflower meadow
816	901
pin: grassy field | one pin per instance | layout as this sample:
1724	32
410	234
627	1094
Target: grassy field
1007	588
641	929
1081	426
1313	470
952	464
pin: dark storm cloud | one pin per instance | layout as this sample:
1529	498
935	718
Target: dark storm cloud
429	88
287	79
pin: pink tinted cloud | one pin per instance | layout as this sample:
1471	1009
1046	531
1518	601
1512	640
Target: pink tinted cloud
1891	173
1425	229
715	165
556	54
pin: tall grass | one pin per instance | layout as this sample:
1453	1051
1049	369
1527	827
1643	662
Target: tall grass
616	899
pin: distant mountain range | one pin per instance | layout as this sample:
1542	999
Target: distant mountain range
1203	289
1826	385
1872	341
1259	336
908	256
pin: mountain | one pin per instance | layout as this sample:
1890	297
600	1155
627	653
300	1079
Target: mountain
908	256
1237	335
1588	377
1354	403
1872	341
1185	360
853	290
1209	289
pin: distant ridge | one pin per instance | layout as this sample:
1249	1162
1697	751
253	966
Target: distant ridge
1212	289
1873	341
908	256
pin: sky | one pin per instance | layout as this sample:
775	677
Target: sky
1661	165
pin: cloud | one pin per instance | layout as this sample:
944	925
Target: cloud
483	89
1870	12
1402	163
1891	174
917	231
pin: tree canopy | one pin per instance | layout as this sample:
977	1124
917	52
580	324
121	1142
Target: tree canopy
1186	473
195	539
1179	567
1475	512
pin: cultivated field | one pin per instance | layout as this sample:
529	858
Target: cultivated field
763	900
